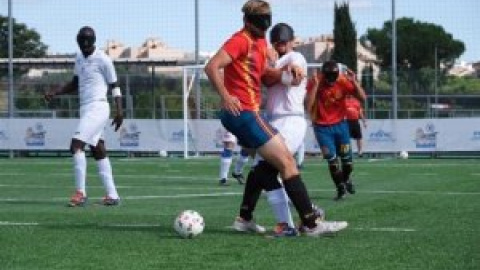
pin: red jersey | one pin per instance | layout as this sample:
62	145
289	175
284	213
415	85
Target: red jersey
330	106
242	77
353	108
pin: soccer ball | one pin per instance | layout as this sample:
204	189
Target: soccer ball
403	154
163	153
189	224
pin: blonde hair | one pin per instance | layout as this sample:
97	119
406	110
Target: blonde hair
254	7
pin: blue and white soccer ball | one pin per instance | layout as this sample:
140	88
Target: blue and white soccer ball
403	154
189	224
163	153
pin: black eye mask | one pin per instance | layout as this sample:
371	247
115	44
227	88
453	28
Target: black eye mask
260	21
331	77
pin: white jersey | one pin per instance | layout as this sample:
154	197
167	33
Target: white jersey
286	99
94	73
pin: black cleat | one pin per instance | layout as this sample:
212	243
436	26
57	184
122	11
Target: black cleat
239	177
223	182
350	187
341	192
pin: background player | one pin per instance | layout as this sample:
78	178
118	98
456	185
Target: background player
94	75
326	103
229	143
355	114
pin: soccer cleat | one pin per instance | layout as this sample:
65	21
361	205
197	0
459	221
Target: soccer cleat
283	230
340	192
223	182
239	177
108	201
78	199
241	225
350	187
318	211
325	228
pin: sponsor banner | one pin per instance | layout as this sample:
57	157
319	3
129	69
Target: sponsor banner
417	135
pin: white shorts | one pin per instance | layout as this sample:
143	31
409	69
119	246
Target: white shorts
293	129
229	137
94	117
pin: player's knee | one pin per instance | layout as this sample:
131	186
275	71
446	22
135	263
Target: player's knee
227	153
76	145
267	175
333	165
99	152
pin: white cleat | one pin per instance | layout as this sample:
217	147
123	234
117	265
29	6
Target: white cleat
325	228
241	225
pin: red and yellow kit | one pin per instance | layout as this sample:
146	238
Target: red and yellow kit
353	108
242	77
330	106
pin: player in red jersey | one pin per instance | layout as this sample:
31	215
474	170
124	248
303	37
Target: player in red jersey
243	58
355	113
326	105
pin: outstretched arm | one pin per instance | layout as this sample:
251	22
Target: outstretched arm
70	87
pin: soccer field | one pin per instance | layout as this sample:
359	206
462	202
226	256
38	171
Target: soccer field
407	214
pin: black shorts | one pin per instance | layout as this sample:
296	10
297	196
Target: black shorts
355	130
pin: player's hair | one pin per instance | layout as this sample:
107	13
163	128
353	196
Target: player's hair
281	32
255	7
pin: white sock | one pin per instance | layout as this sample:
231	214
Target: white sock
240	163
300	155
80	171
278	200
225	163
105	172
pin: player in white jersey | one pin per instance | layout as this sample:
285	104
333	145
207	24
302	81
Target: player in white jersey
226	157
285	111
94	76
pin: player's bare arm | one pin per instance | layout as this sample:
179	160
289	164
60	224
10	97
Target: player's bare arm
312	94
359	93
220	60
117	95
70	87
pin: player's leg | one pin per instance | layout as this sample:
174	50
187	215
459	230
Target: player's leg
242	159
326	140
226	161
80	170
300	155
345	154
105	172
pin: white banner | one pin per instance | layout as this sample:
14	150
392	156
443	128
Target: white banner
416	135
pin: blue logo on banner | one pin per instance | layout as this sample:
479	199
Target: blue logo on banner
427	137
177	136
35	136
476	135
3	137
130	137
381	136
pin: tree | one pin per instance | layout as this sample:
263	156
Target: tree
26	43
345	37
417	43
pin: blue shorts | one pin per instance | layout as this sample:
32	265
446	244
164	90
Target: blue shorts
334	140
251	129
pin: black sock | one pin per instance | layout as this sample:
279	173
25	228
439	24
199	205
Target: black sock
251	194
336	174
347	169
297	192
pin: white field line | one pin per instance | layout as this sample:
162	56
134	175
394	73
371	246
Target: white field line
223	194
144	225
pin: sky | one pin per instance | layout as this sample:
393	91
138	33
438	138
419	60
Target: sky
133	21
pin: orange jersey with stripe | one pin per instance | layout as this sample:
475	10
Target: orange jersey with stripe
353	108
242	77
330	100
